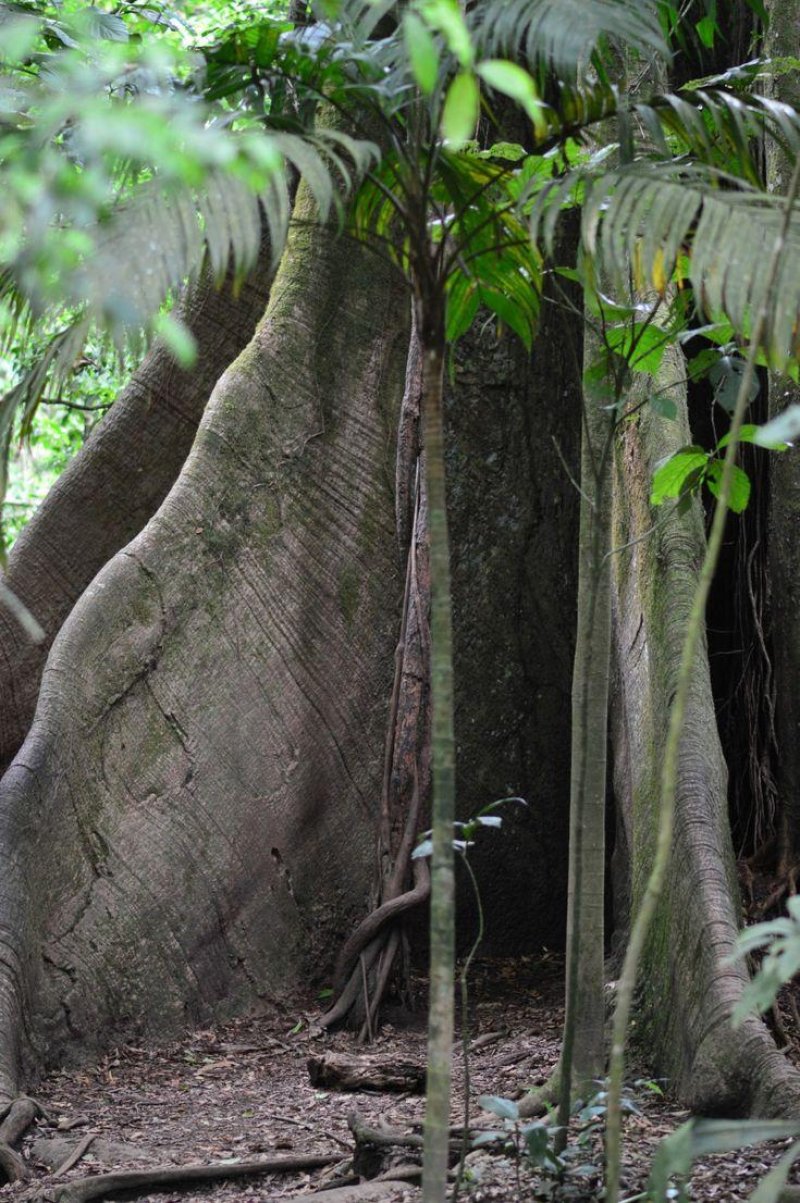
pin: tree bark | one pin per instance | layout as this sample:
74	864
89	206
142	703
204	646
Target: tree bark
190	822
784	522
115	484
688	990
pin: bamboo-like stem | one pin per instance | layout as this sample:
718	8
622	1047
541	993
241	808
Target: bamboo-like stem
442	921
669	771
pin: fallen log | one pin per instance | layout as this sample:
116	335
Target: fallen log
337	1071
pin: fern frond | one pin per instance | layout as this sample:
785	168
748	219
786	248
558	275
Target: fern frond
565	32
642	218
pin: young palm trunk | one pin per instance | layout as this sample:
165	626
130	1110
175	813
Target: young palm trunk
442	923
582	1049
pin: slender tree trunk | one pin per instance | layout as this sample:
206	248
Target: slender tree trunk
583	1053
189	825
114	486
442	941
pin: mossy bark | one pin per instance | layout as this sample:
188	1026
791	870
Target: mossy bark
115	484
189	825
688	989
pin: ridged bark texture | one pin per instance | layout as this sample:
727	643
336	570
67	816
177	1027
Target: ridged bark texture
114	486
687	990
782	39
190	824
512	424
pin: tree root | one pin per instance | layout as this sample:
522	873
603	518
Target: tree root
169	1177
388	912
18	1118
538	1101
361	1192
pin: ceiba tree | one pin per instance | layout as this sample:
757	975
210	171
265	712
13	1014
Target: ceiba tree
189	824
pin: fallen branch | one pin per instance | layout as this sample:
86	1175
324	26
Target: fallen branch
168	1177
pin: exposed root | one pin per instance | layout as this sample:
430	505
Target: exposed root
543	1098
785	886
18	1118
99	1186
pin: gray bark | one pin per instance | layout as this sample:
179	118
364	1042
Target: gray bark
688	991
114	486
189	824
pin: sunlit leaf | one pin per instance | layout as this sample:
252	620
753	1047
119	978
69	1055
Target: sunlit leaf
461	109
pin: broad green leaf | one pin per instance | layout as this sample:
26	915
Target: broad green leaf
509	314
641	345
705	29
514	81
726	376
446	17
461	109
770	1187
18	36
783	429
751	434
422	52
504	1108
740	485
177	337
700	1138
670	478
486	1138
664	406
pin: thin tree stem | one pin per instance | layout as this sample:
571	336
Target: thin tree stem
669	771
465	1023
442	922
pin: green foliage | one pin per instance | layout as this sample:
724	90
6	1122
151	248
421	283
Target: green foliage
43	438
701	1138
682	475
780	964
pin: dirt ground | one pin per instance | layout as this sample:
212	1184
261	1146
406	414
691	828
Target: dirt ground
242	1091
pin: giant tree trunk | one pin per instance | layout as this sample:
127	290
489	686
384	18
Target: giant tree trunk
114	486
687	990
784	547
189	824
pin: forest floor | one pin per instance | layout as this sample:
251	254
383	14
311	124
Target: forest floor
242	1091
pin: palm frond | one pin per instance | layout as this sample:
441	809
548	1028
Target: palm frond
565	32
154	245
641	219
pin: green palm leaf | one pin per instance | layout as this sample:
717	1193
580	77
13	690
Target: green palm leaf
643	217
565	32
